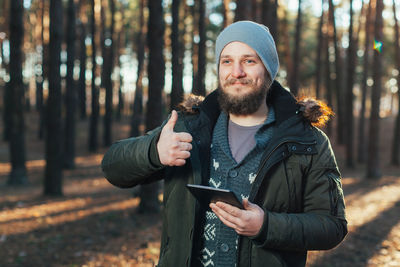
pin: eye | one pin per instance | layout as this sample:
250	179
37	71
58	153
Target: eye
250	61
225	61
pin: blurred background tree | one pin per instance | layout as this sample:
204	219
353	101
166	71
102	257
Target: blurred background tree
134	61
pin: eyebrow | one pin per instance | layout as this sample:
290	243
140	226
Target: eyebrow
245	56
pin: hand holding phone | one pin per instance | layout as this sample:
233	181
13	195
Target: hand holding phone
206	195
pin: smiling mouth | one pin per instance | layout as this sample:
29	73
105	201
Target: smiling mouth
238	82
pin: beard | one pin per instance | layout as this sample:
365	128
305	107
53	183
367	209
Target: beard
242	104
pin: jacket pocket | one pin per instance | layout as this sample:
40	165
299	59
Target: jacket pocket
335	193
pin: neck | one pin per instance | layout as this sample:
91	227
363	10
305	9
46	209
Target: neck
255	118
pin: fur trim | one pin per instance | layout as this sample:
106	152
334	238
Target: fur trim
315	111
190	103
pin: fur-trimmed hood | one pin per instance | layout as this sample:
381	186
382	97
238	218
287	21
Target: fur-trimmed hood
314	111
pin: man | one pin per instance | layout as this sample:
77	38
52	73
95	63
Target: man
253	137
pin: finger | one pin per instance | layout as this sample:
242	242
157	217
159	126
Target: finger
172	121
223	216
178	162
182	155
229	213
246	204
184	137
184	146
231	210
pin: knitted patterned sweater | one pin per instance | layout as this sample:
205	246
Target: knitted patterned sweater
219	247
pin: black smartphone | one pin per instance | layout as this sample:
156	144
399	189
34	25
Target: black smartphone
206	195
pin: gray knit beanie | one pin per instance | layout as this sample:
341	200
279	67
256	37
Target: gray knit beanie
255	35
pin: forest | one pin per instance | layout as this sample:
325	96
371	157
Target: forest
78	75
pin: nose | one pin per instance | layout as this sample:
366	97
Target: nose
237	71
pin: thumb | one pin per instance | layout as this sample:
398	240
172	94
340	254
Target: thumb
172	121
247	204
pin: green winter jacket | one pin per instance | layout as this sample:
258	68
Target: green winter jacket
297	185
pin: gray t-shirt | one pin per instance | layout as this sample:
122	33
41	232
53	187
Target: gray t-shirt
241	139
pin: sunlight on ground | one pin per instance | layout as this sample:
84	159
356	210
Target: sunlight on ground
85	161
389	254
43	219
362	207
355	203
144	257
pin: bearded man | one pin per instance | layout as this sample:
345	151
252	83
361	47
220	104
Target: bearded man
250	136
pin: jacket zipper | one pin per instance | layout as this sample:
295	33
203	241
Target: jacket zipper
275	148
262	166
280	144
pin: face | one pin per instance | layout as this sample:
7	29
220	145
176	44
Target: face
243	79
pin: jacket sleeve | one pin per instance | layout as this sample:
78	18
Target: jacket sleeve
322	224
133	161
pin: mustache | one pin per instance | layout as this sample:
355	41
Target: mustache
244	81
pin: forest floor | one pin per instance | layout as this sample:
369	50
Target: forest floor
96	224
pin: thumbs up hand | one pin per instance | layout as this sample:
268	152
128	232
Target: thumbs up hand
173	148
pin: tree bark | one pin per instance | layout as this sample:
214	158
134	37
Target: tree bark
137	116
287	50
294	82
225	13
94	117
351	64
395	158
156	70
177	58
244	10
328	79
15	98
270	17
70	124
318	63
120	40
108	84
373	162
338	79
53	172
82	71
200	88
362	151
195	47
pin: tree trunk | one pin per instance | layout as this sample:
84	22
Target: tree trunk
200	88
225	13
294	82
328	80
318	64
108	69
53	172
45	73
156	70
286	42
395	159
39	76
270	16
351	64
120	107
177	58
69	141
82	71
195	47
244	10
94	117
373	163
338	80
137	116
361	151
15	98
